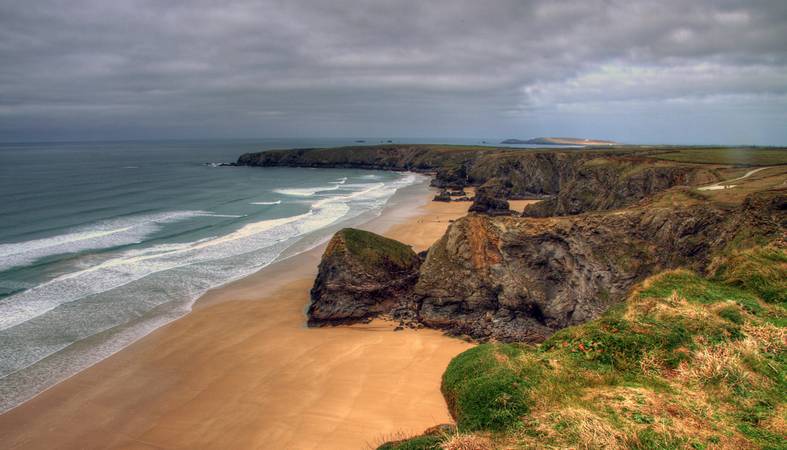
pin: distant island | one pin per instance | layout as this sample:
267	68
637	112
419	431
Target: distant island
559	141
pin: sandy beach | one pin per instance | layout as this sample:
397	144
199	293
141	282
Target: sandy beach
243	371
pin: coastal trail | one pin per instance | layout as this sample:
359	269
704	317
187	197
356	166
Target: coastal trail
725	184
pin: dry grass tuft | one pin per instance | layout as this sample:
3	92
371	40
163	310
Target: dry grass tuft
778	422
592	431
770	338
677	306
467	442
708	364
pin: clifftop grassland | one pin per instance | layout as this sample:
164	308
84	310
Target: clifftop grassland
641	304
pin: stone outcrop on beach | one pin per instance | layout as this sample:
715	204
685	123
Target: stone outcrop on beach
521	279
361	275
607	220
490	199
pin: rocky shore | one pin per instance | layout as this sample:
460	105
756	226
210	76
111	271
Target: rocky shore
521	279
607	221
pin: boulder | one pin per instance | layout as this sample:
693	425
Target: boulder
490	199
443	196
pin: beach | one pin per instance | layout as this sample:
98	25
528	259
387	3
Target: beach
243	371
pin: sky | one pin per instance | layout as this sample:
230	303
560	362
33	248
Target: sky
635	71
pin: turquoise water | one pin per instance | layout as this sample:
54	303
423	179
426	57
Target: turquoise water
101	243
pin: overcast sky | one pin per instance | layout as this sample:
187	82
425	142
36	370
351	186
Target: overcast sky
636	71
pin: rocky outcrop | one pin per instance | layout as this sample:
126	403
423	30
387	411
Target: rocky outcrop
518	279
442	196
602	184
490	199
361	275
521	278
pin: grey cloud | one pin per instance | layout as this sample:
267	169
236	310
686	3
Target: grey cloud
137	68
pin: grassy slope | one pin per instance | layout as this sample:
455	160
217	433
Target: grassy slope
436	155
686	362
749	156
376	249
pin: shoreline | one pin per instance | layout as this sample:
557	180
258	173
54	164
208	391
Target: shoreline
243	370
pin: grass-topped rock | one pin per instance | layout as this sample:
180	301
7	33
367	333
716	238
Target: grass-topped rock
361	275
686	362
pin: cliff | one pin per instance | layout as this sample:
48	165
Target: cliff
521	279
685	358
573	181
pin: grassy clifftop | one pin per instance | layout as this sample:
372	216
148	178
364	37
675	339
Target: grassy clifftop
685	362
374	249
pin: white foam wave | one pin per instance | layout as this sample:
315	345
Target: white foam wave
277	202
221	215
105	234
134	264
339	181
138	290
307	192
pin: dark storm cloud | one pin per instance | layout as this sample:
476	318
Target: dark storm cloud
135	69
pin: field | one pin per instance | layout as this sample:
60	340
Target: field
748	156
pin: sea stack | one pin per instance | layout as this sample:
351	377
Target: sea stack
362	275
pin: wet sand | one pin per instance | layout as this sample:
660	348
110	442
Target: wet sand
242	371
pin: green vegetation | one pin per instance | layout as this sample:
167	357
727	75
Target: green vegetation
426	442
485	392
762	270
749	156
376	249
686	362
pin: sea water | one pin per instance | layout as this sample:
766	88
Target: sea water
101	243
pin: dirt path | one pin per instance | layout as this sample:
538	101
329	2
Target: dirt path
725	184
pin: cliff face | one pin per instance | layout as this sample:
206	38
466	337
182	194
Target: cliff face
518	279
360	276
571	181
601	184
521	279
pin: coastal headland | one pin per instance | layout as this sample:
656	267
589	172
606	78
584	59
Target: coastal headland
639	304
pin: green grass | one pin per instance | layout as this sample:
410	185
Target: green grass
485	393
762	271
427	442
749	156
686	362
376	249
649	439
